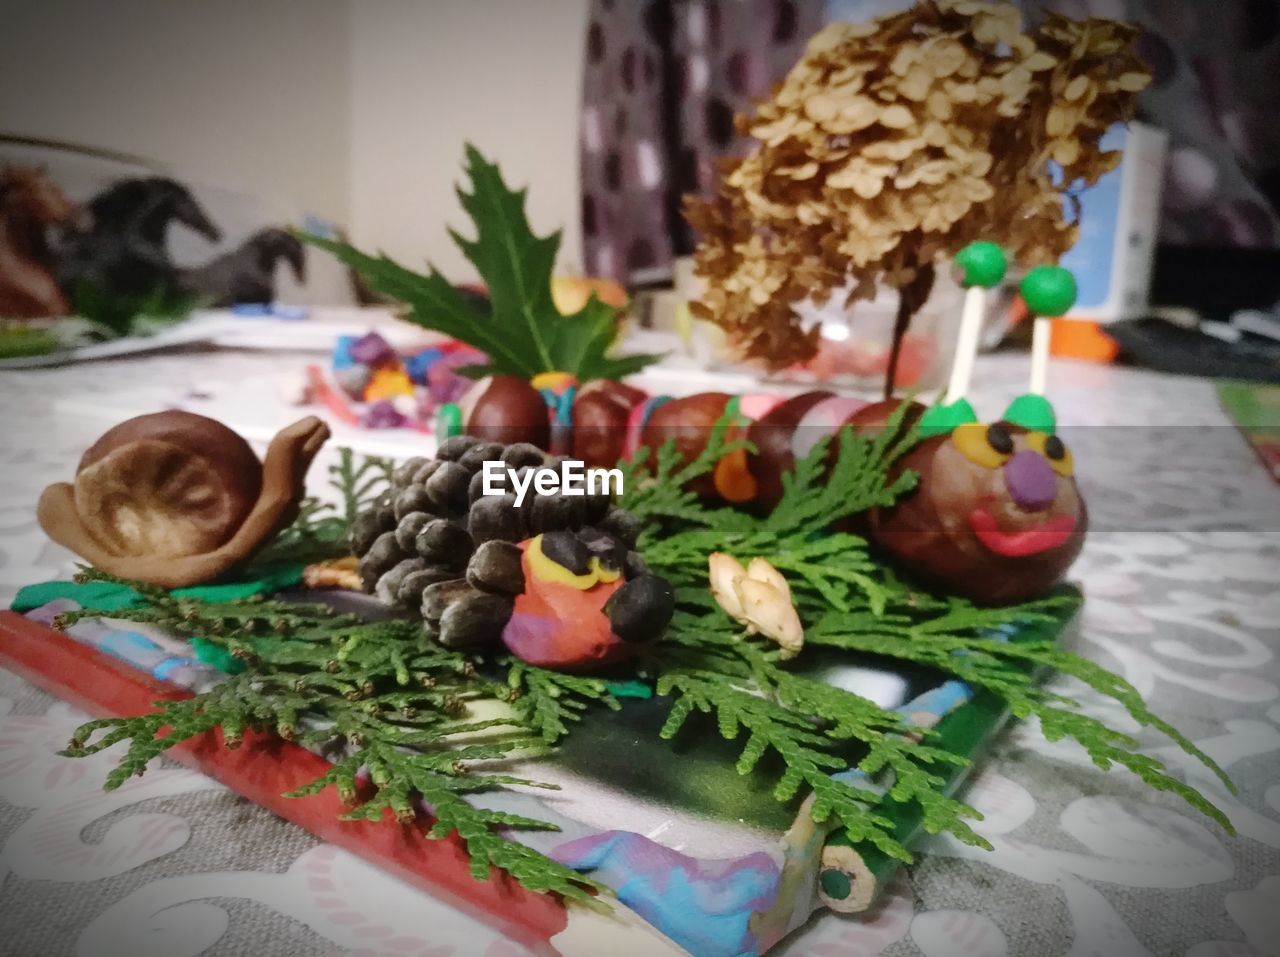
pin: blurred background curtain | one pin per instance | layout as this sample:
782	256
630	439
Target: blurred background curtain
1216	90
664	78
663	81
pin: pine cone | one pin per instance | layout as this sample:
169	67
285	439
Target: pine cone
435	545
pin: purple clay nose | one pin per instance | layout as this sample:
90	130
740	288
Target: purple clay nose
1030	480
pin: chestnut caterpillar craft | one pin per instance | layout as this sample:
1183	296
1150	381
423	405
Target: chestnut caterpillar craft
996	516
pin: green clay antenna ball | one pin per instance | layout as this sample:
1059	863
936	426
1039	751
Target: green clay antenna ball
1049	290
981	264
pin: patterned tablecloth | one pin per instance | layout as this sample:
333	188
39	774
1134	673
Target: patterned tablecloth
1181	572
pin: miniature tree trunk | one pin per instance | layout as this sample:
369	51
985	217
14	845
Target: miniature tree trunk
911	298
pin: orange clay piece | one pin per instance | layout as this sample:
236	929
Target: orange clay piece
387	384
1081	339
733	479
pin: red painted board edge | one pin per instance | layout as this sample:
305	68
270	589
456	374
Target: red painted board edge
264	767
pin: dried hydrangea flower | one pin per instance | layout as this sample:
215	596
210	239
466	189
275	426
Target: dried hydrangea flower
898	141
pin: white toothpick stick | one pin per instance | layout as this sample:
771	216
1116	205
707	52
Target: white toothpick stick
975	308
1040	354
979	267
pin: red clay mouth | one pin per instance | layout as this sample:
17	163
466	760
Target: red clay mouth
1054	532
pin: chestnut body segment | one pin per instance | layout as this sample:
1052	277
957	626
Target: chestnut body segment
773	436
600	414
506	409
687	423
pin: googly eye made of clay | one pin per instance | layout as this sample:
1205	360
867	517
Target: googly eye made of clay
1055	452
987	445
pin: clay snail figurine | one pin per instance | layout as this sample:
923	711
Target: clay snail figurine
176	499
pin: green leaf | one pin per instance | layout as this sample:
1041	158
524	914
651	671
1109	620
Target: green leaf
432	300
524	334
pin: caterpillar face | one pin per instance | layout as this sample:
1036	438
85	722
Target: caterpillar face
1024	499
997	515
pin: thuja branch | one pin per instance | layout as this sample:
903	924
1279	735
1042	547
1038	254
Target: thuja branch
959	643
816	729
320	530
548	701
381	700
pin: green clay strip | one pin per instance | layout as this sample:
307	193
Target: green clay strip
1032	412
943	419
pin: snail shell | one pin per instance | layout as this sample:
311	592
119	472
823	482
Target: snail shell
176	499
167	484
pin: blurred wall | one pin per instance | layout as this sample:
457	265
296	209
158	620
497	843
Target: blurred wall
429	75
355	109
250	94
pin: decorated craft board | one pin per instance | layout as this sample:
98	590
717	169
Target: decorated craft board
641	810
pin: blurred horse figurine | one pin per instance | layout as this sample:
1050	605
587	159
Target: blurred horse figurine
30	203
246	274
124	253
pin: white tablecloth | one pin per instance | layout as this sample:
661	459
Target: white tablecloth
1181	572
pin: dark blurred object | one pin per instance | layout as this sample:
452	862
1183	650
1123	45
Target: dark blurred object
120	263
1209	284
30	205
1169	347
1214	90
247	274
1215	281
124	252
662	82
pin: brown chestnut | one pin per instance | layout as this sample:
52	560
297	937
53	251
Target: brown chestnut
506	409
773	436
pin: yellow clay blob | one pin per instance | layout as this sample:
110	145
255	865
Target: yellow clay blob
557	382
387	384
551	571
971	439
1064	466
